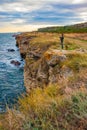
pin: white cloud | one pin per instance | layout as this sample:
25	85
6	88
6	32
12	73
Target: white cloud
79	1
28	10
38	2
81	13
18	7
25	5
18	21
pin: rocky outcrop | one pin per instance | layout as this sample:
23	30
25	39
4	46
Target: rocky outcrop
22	43
11	50
44	65
16	63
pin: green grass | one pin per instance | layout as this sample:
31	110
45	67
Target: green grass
63	29
71	45
76	61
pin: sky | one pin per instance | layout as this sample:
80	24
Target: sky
29	15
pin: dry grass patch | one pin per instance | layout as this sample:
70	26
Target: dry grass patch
49	109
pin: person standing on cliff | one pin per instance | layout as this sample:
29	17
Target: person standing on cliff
62	40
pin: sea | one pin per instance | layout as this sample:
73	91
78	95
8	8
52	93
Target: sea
11	76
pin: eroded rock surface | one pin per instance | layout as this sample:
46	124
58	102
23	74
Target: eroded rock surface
45	65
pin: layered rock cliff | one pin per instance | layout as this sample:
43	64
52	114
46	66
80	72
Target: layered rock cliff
46	63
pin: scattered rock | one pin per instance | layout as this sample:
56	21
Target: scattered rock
11	50
16	63
14	35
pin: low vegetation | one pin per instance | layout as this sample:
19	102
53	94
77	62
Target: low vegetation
65	29
56	106
77	28
76	61
51	108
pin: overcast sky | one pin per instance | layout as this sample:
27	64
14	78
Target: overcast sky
27	15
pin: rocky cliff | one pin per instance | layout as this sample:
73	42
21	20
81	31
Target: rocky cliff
46	63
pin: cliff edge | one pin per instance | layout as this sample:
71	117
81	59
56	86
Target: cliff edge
46	63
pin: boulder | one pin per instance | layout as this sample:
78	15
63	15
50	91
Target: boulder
16	63
11	50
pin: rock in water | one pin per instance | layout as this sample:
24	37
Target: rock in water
16	63
11	50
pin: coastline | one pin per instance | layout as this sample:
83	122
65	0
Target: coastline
46	63
58	80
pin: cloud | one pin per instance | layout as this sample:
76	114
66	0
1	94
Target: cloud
17	7
16	13
79	1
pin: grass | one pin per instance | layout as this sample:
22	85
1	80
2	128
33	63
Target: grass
49	109
76	61
55	107
64	29
40	42
71	45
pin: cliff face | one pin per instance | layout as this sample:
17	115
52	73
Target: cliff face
46	64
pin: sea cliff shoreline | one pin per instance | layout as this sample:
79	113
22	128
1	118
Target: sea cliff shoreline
58	80
46	63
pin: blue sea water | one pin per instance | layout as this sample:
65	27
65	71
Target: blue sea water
11	77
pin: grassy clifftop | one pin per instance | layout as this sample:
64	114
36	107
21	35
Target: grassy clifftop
77	28
56	83
35	46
